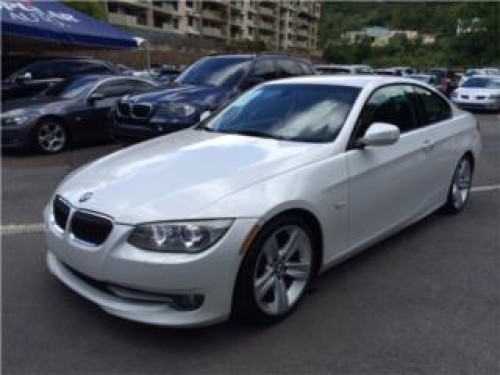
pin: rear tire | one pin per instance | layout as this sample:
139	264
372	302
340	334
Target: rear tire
50	137
276	271
459	192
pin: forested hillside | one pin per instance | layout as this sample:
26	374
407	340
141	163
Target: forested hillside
481	47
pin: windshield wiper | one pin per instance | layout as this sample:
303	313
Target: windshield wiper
258	133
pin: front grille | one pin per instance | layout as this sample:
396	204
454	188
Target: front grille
480	97
61	212
464	96
90	227
141	110
124	109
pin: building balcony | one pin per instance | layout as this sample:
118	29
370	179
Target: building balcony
135	3
238	21
165	8
214	32
168	27
267	11
212	15
267	26
303	33
122	19
192	30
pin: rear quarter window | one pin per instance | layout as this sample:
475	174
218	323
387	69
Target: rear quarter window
433	108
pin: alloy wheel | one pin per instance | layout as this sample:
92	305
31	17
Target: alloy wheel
51	137
461	183
282	270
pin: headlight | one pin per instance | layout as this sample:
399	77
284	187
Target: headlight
177	109
179	237
454	94
14	121
494	96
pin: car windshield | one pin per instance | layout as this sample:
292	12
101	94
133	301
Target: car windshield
71	88
294	112
477	82
215	71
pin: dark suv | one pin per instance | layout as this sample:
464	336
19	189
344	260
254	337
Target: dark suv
206	85
26	77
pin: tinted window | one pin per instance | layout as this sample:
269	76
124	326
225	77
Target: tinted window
116	88
390	104
288	68
434	108
308	113
215	71
264	69
40	70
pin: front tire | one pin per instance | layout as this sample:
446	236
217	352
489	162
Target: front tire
50	137
459	191
276	271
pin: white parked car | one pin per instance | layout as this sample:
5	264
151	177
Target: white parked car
475	72
239	213
479	92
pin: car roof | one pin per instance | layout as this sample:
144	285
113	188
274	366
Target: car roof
344	80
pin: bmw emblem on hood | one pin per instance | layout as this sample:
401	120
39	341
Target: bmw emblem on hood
85	197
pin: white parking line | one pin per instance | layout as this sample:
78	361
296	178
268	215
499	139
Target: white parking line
6	230
482	189
34	228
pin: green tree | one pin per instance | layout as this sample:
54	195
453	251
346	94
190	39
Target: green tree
94	9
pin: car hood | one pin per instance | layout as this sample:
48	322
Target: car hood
201	95
174	177
18	107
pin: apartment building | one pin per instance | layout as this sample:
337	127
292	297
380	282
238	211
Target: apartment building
281	24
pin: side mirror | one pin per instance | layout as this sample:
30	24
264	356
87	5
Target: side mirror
22	78
379	134
94	97
204	115
251	81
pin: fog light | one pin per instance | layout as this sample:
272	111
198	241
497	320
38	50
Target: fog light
187	301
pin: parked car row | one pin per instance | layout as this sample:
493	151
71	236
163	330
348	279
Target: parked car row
87	108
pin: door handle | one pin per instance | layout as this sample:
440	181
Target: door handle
427	145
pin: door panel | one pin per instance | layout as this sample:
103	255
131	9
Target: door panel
388	185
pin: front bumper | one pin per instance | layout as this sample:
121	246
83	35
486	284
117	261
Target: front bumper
491	105
210	274
18	137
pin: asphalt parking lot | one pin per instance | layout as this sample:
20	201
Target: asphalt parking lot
426	301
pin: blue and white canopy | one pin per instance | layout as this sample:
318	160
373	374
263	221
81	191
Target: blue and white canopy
50	21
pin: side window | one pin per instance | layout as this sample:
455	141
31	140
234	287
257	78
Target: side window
434	108
40	70
96	68
389	104
264	69
67	69
288	68
307	69
115	88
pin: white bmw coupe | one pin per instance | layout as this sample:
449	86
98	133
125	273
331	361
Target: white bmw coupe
237	214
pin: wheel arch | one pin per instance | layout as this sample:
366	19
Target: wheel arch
310	218
61	120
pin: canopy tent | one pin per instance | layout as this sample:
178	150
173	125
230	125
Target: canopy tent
38	24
